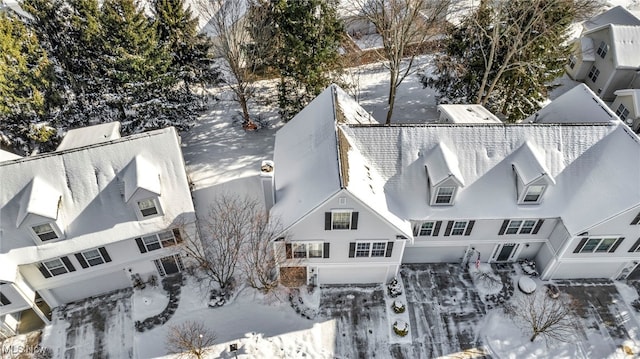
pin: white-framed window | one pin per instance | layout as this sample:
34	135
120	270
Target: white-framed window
158	240
521	226
306	249
444	195
602	50
46	232
533	194
599	245
572	61
4	300
426	229
594	73
341	219
371	249
622	111
93	257
55	267
148	207
458	228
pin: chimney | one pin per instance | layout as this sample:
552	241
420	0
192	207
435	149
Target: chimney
268	184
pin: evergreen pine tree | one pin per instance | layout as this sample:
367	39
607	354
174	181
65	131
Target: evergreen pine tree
25	77
309	34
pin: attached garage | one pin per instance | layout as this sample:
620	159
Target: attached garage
449	254
354	275
91	287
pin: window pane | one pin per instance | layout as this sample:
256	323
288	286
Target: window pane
315	250
299	250
527	227
378	249
533	193
605	245
362	249
426	229
55	267
513	227
93	257
341	220
590	245
45	232
445	194
151	242
458	228
166	238
147	207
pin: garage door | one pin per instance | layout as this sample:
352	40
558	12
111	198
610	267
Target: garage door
352	275
433	254
90	287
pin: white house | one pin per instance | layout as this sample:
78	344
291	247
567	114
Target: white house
82	220
357	199
605	57
627	107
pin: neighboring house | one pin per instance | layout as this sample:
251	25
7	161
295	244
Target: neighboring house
358	199
606	57
84	219
627	107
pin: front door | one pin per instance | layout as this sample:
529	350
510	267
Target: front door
505	252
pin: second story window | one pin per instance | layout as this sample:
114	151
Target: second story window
533	194
148	207
594	73
444	195
340	219
602	50
622	112
598	245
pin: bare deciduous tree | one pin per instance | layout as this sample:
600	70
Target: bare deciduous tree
222	234
404	26
261	260
190	339
231	40
542	316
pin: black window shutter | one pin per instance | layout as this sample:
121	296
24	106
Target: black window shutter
44	270
636	220
615	245
416	229
141	246
327	221
354	220
177	235
436	229
447	231
105	254
469	228
635	246
537	227
352	249
389	249
67	263
288	250
580	244
325	251
80	258
503	228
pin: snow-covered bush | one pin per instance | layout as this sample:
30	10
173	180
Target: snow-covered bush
401	328
394	288
398	307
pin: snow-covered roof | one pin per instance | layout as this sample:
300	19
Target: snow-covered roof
88	182
7	156
460	113
90	135
578	105
39	198
626	46
528	162
141	174
442	164
617	15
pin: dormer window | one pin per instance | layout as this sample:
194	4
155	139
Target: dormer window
148	207
531	174
444	195
443	175
533	194
45	232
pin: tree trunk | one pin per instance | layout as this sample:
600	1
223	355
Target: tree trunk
392	97
534	336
